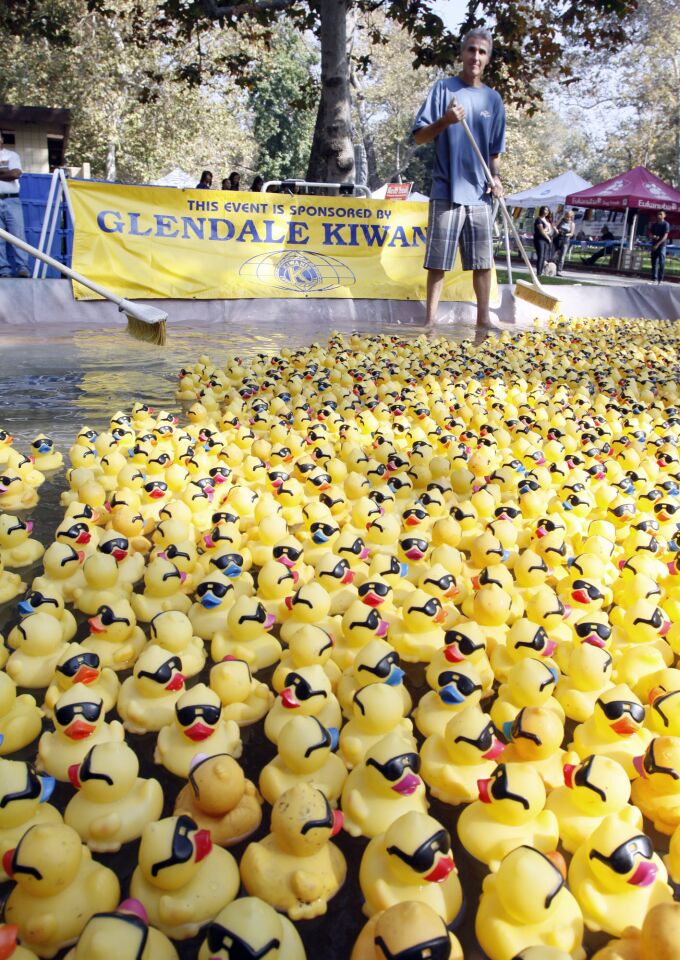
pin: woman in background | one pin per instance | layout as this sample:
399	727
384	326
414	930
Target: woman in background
543	233
566	228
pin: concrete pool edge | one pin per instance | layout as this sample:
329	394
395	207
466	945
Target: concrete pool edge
40	302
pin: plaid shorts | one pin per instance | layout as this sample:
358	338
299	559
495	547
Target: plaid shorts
451	223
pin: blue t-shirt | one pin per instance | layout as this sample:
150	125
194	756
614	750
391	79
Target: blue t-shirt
457	175
660	230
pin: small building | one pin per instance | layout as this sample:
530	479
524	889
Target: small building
38	134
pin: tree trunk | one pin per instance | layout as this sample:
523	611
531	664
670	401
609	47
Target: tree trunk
332	156
111	160
369	146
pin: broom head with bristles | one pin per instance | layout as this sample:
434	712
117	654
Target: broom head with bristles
145	322
536	297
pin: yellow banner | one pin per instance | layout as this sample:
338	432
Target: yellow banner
144	242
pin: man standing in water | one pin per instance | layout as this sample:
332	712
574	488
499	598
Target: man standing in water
460	200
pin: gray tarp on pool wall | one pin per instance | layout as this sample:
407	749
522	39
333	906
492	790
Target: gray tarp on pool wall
25	302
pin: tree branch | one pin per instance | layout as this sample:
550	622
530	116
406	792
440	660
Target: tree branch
216	11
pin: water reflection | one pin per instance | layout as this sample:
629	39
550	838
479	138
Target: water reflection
55	381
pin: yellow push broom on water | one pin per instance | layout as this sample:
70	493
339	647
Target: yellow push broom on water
532	292
144	322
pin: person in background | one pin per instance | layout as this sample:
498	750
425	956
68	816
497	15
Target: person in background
659	232
543	233
566	228
460	199
11	212
257	184
205	183
234	179
603	250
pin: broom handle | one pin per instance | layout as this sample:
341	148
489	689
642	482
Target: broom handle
501	200
120	302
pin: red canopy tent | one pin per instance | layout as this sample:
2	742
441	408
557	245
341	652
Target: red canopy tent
639	189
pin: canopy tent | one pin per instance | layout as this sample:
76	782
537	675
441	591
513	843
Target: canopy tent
176	178
639	189
379	194
550	194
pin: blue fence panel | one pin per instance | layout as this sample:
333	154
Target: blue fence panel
35	188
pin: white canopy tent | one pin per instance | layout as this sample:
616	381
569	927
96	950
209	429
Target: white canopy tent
379	194
551	193
179	178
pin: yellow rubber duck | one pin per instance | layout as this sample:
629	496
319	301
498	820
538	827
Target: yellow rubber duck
614	729
78	725
595	788
530	683
247	635
23	804
525	639
125	935
616	877
17	547
113	803
114	635
220	799
377	709
510	918
408	927
361	623
16	494
310	604
510	813
535	737
655	791
162	591
6	441
305	755
309	645
81	666
173	631
20	717
79	534
411	860
464	642
458	687
214	597
244	699
51	602
418	634
58	888
663	714
467	751
104	584
587	674
382	787
128	556
197	727
11	584
38	646
181	878
296	868
656	940
307	692
253	927
376	662
63	571
146	700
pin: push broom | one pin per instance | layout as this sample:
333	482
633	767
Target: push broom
144	322
532	292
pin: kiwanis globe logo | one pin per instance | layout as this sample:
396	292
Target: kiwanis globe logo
298	272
